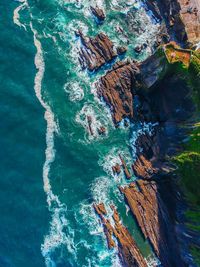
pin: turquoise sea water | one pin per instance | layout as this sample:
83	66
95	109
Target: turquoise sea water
52	170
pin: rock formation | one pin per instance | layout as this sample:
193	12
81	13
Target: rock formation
124	166
152	216
143	168
96	51
89	121
98	13
129	253
116	89
116	169
182	18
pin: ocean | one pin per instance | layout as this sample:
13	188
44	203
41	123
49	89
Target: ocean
52	169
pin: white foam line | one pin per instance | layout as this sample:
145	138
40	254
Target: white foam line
56	235
49	117
16	15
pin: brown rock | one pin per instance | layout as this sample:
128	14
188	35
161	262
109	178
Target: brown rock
102	130
143	168
121	50
108	229
126	171
116	169
96	51
116	89
129	253
152	217
98	12
100	209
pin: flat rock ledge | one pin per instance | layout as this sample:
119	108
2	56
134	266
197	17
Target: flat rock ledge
116	89
118	236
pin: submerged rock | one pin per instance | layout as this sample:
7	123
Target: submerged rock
101	130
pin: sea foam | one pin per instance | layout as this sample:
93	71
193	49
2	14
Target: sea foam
16	14
56	235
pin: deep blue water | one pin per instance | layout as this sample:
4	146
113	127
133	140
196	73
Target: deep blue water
51	169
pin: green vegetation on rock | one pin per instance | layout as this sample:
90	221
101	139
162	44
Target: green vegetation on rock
188	161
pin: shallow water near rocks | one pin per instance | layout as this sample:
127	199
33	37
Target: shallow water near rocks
53	168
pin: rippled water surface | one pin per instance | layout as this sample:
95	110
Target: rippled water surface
52	170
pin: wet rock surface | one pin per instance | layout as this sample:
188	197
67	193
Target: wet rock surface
125	168
116	169
151	214
116	89
98	13
95	52
129	253
143	168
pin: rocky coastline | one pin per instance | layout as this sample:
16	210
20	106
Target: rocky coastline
162	86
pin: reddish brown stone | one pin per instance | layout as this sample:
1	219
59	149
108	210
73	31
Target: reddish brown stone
116	89
121	50
126	171
116	169
98	12
96	51
129	253
152	216
143	168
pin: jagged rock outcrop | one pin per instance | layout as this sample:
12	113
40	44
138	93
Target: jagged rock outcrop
116	169
116	89
143	168
152	216
125	168
96	51
121	50
98	13
182	18
129	253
